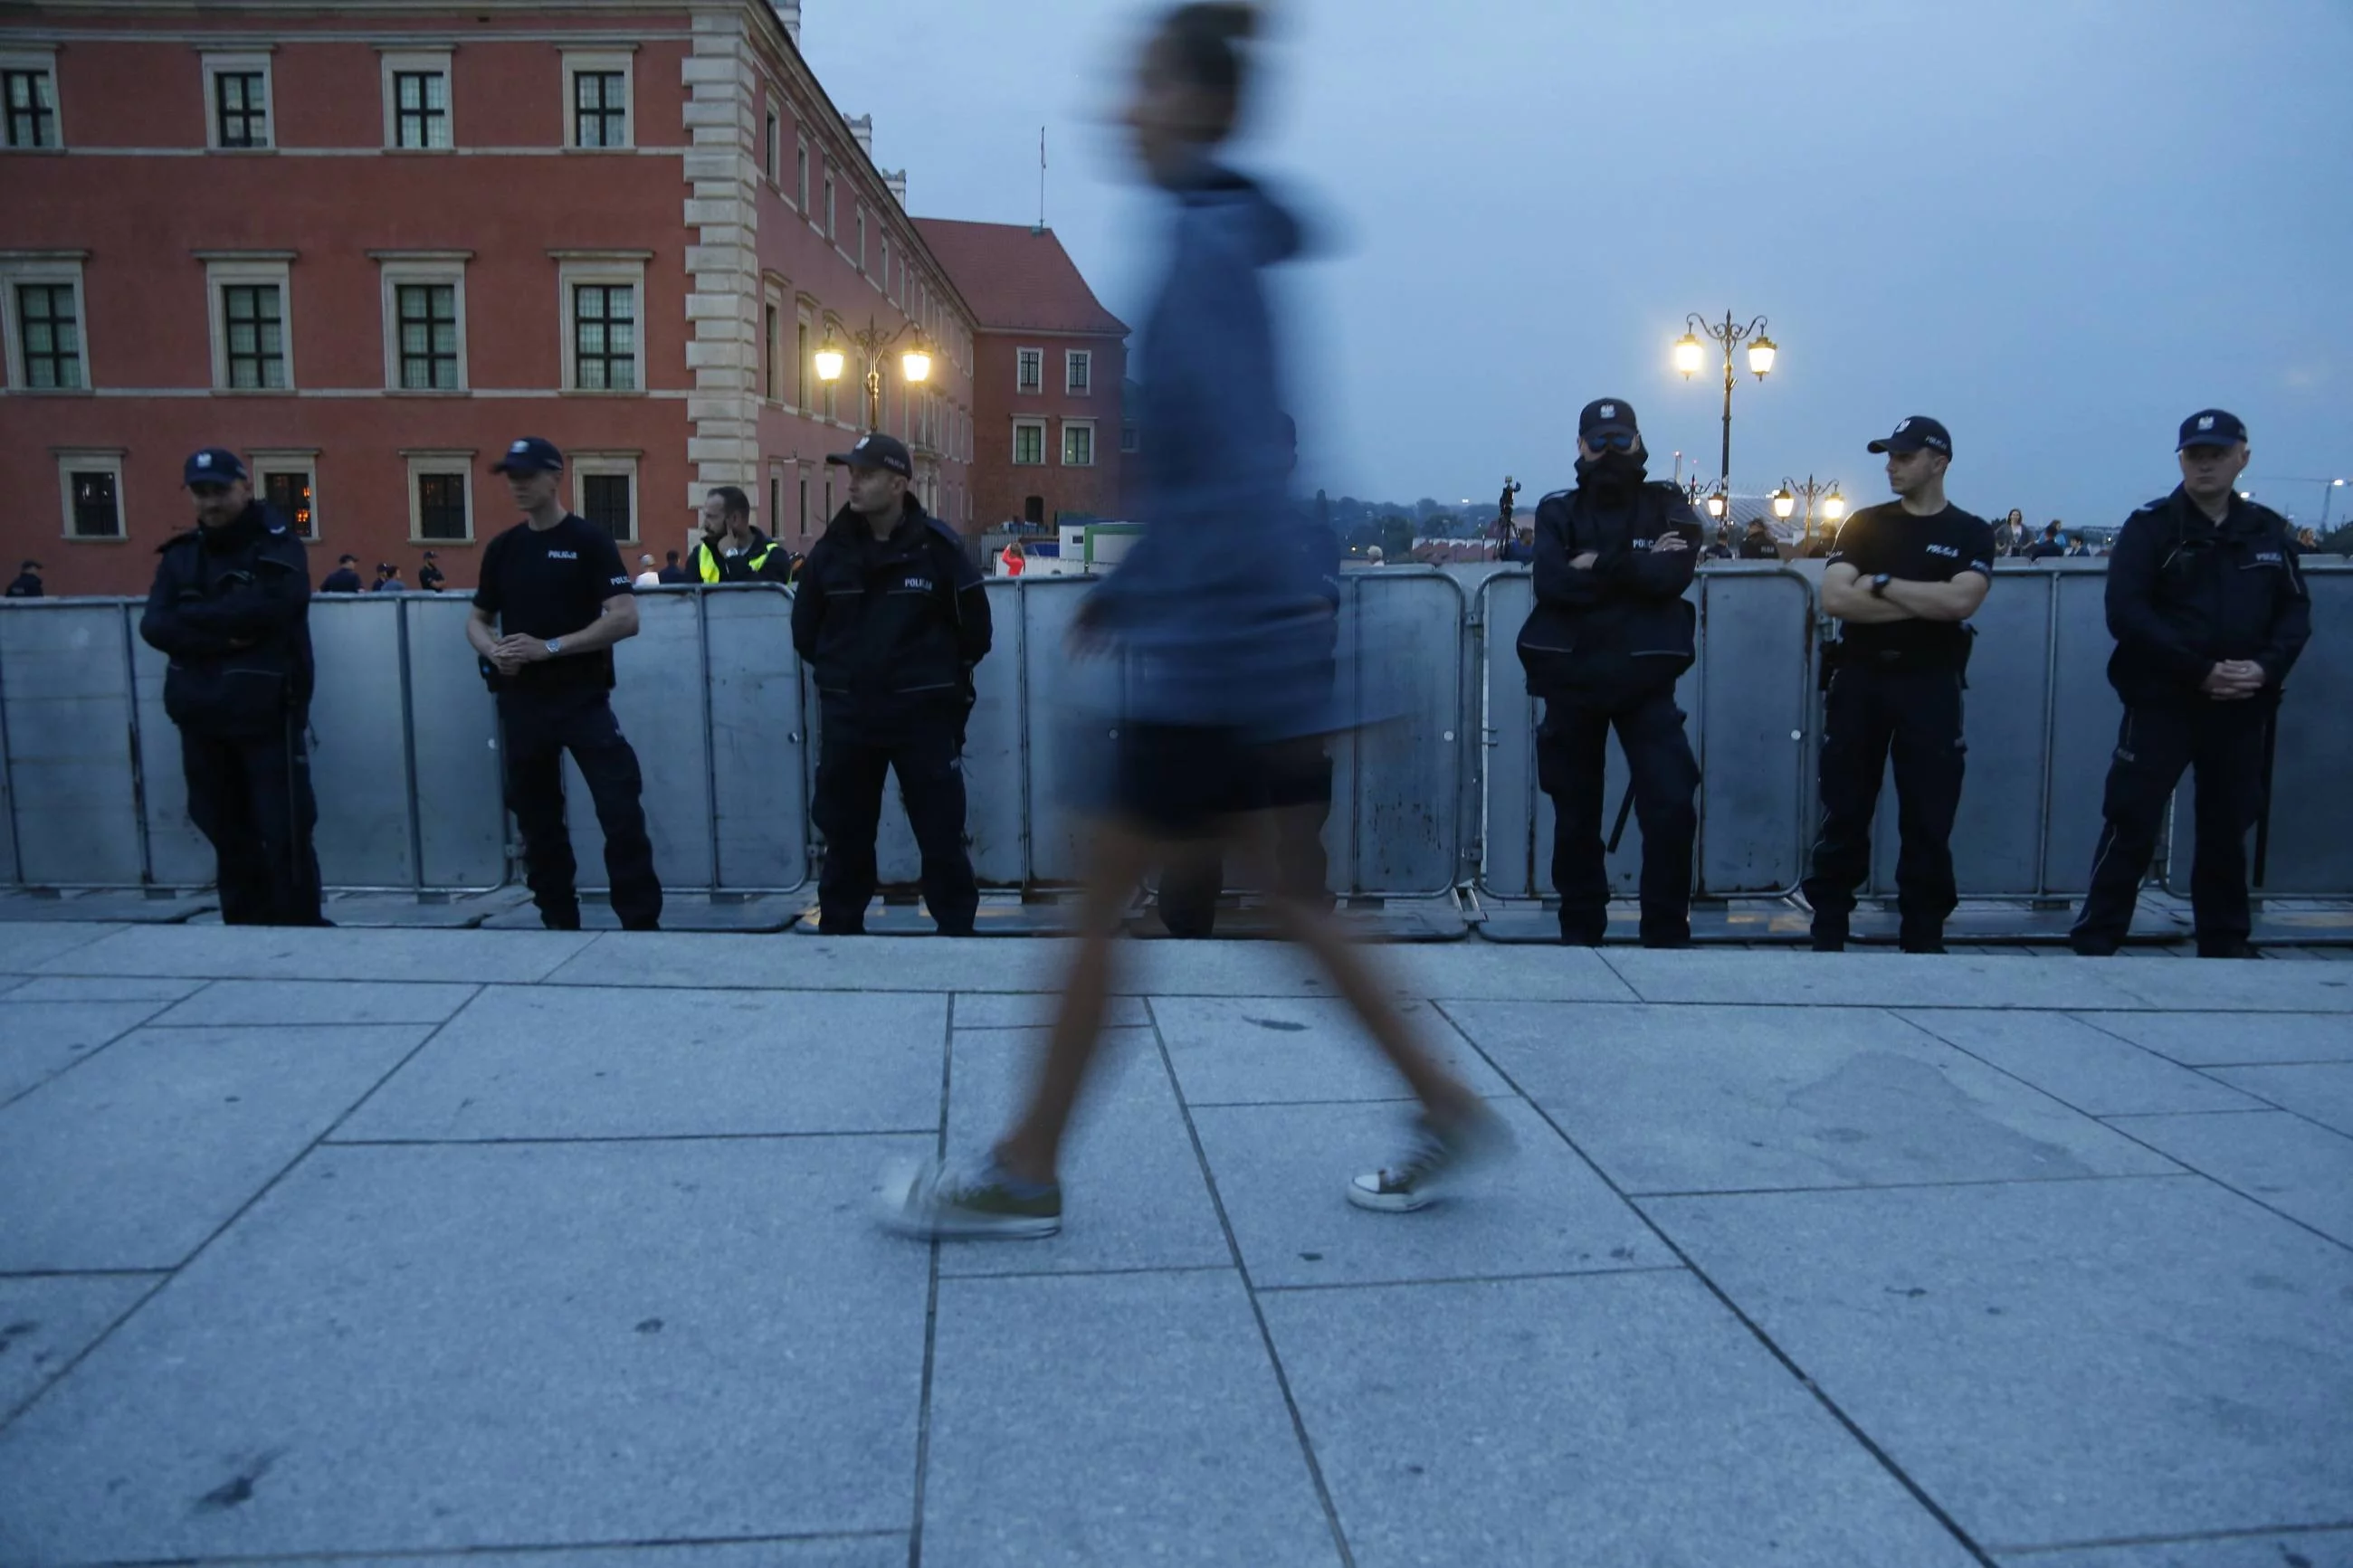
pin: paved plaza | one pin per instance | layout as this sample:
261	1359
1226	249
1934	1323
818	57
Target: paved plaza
381	1246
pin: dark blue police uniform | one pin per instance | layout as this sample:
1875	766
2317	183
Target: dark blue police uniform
230	608
548	583
892	629
2184	594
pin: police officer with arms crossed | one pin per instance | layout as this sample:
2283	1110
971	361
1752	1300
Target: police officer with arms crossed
891	618
553	600
1610	634
1903	578
231	608
731	548
2209	611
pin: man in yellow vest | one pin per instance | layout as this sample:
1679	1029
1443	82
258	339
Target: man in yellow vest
732	550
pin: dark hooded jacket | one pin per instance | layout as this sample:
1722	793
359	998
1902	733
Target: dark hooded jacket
890	628
231	610
1622	626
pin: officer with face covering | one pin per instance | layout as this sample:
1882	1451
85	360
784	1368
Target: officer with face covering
1610	634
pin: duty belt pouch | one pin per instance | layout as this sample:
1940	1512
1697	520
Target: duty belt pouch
1826	666
233	701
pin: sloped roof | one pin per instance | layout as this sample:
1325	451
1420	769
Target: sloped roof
1015	277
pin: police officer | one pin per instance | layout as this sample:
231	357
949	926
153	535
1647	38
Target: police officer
1610	634
2209	610
891	618
732	550
231	608
1905	577
28	582
554	599
344	578
429	576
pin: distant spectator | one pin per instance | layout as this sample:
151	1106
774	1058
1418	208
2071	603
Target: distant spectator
2009	535
27	585
1758	544
2306	540
344	578
2079	548
387	579
1373	556
1012	560
1721	548
646	576
429	576
1522	545
2049	546
672	573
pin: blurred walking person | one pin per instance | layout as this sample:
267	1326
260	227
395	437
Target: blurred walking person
1223	638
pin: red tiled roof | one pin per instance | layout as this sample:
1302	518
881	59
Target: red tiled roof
1015	277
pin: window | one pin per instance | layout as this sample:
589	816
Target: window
48	329
236	92
598	91
416	101
1030	370
768	149
601	300
801	370
254	316
1131	439
1028	441
253	349
768	364
1078	372
440	500
90	484
829	206
800	175
283	481
605	502
886	264
1078	443
429	336
776	502
804	503
860	252
29	91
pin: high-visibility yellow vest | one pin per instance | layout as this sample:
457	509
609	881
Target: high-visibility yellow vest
706	561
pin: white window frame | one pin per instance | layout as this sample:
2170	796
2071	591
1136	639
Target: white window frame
1072	360
44	60
771	379
1021	359
394	62
44	268
801	174
422	462
301	460
830	207
395	268
1093	452
592	62
771	144
608	268
231	270
240	63
91	460
1039	427
579	466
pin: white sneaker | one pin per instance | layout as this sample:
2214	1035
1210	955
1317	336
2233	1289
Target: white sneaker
1434	1161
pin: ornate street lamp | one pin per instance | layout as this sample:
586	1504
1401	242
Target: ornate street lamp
871	343
1822	493
1691	358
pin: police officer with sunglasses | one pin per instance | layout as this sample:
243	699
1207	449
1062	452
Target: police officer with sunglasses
1610	634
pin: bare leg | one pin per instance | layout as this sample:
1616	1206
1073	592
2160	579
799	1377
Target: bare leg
1446	1098
1031	1150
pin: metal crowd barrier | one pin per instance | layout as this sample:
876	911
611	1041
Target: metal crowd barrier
1435	788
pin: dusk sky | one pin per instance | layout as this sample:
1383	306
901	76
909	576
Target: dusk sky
2059	225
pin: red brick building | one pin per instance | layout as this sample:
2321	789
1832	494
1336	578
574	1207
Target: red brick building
1047	375
367	245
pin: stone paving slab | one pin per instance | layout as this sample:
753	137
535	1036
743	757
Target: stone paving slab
2078	1063
321	1002
40	1041
1133	1195
2322	1091
1606	1419
230	952
2280	1160
1881	980
1270	1050
2063	1361
134	1158
408	1349
547	1062
2238	986
26	946
2222	1039
879	1550
1282	1170
1671	1099
1112	1418
1001	1010
103	988
2302	1549
47	1320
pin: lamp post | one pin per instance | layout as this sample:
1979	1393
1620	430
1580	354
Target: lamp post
1690	357
1824	494
871	343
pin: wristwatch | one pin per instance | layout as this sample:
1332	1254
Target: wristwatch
555	646
1878	591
